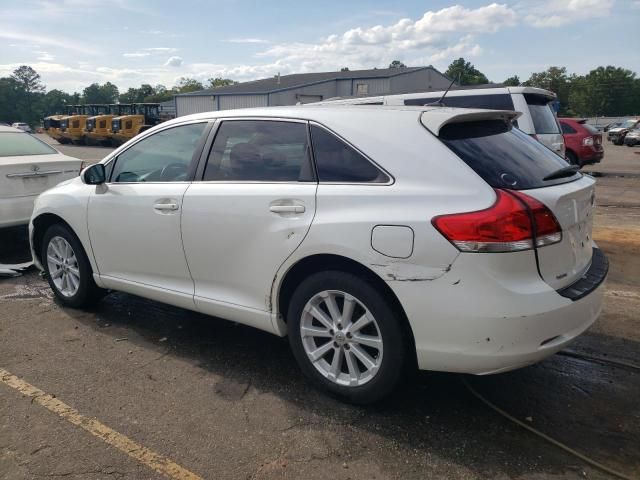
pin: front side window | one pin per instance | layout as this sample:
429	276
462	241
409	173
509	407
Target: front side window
260	151
18	144
162	157
338	162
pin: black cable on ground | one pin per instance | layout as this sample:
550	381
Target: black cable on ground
558	444
592	358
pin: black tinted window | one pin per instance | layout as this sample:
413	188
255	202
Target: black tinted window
338	162
503	156
566	128
260	150
493	102
544	120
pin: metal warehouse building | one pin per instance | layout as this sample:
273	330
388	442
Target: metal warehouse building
312	87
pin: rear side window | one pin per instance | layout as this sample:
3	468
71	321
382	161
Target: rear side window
18	144
544	120
260	151
491	102
566	128
338	162
504	156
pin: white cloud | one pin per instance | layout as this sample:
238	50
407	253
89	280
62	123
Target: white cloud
161	49
173	62
554	13
51	41
247	40
136	54
44	56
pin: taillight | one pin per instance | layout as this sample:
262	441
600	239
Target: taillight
587	141
513	223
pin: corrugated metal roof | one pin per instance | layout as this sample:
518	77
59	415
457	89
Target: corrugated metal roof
286	82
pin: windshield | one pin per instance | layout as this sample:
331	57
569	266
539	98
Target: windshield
504	156
18	144
544	120
629	124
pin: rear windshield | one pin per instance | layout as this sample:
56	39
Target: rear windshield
17	144
590	128
504	156
544	121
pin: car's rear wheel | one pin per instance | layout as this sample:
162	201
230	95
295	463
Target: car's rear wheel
67	268
572	158
346	337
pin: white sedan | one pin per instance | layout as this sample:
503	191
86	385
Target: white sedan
28	167
376	238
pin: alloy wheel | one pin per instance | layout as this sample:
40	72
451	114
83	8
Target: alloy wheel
63	266
341	338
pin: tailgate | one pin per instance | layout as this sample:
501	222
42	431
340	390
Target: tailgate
572	203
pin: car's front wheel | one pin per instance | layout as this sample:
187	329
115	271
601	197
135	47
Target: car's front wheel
346	337
67	268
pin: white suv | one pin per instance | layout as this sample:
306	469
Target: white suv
537	118
376	238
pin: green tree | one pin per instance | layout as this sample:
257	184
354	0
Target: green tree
556	80
609	91
512	81
397	64
344	69
96	93
54	101
160	94
186	85
9	93
465	73
220	82
28	79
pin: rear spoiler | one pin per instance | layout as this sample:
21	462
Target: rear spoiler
435	119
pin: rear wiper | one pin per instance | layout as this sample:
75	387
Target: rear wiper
562	172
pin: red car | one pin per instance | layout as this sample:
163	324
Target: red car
583	142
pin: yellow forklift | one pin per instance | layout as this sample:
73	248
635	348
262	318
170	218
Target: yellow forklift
97	129
52	123
142	117
72	125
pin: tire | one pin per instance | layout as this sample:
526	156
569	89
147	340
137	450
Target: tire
387	363
618	141
572	158
83	292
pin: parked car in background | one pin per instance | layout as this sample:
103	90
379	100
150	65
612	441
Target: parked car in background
632	138
376	238
611	125
617	134
22	126
583	141
28	167
537	119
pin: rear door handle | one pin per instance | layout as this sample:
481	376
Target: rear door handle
287	208
165	206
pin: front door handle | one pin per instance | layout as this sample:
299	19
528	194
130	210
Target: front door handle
287	208
165	207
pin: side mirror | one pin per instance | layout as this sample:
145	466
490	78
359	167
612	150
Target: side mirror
94	175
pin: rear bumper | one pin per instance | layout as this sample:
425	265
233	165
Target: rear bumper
16	210
590	154
488	320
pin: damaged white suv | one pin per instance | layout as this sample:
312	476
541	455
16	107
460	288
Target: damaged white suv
376	238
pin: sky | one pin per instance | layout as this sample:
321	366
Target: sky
73	43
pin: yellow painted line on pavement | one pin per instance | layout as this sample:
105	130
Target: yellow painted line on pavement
151	459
